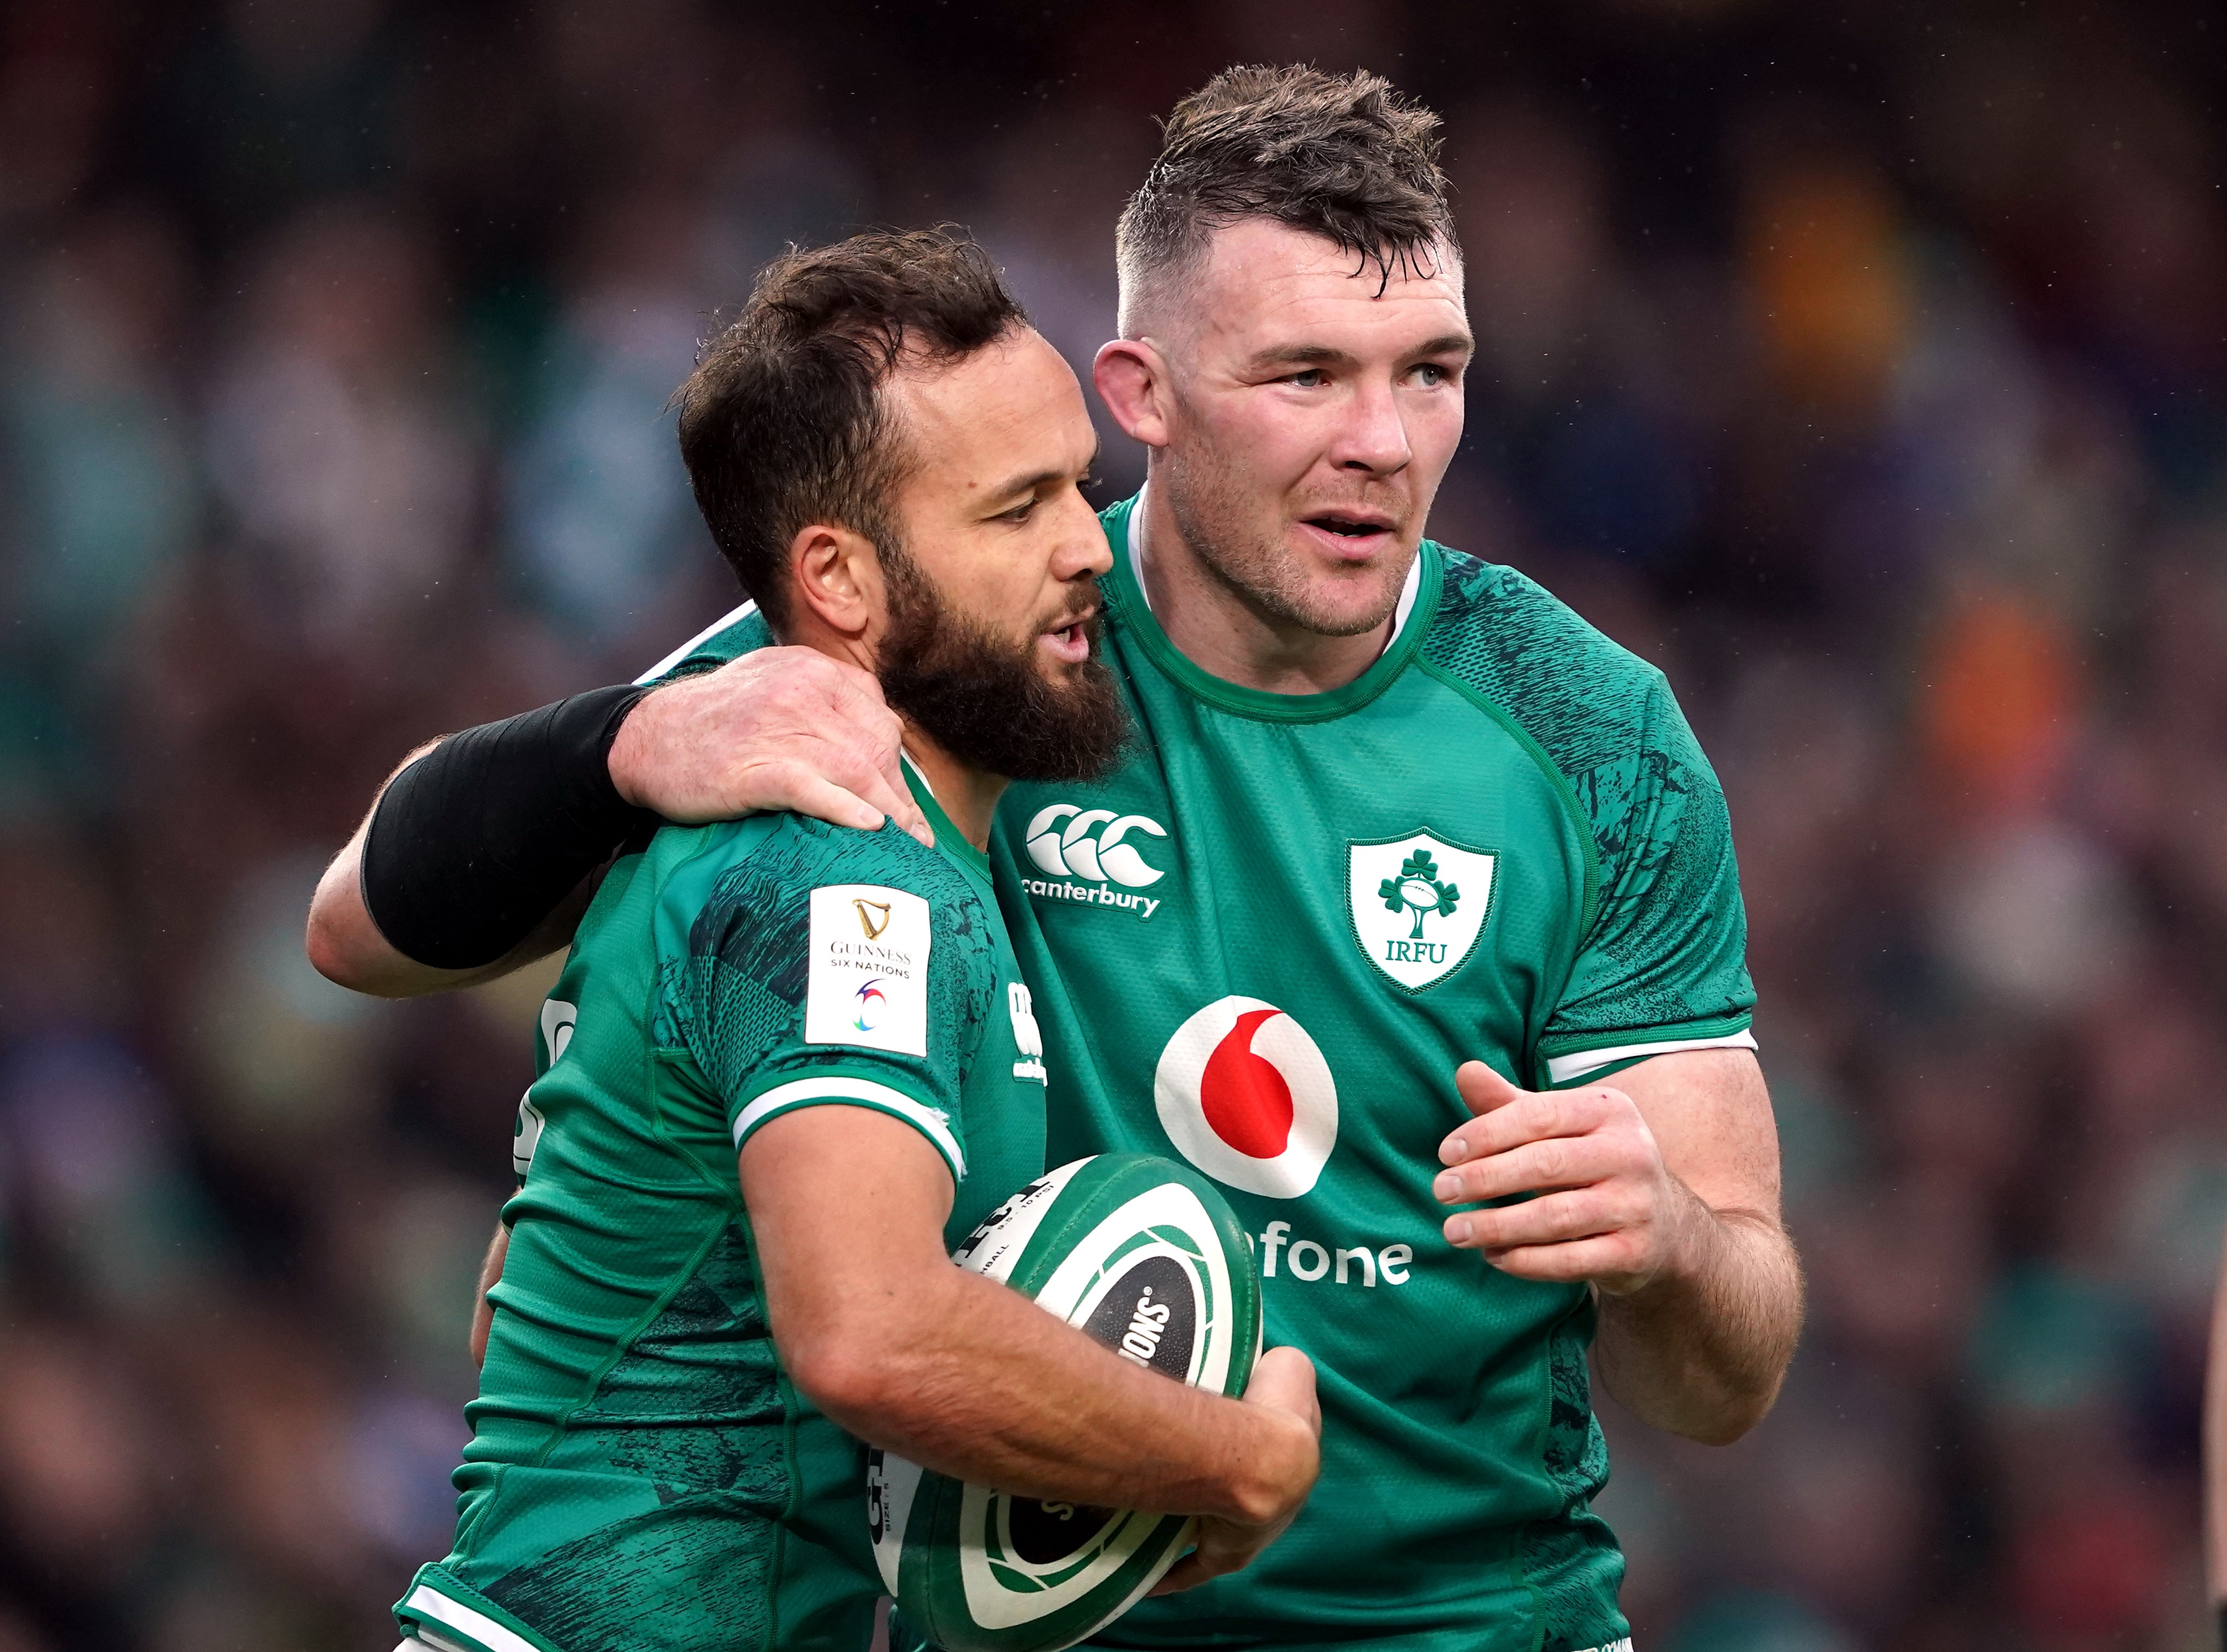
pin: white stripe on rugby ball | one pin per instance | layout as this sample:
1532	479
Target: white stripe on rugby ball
993	1248
1145	1256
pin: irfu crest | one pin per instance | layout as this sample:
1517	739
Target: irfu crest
1417	890
1418	905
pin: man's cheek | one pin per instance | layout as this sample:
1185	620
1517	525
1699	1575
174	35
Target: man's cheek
1433	434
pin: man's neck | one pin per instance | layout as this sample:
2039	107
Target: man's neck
969	795
1214	626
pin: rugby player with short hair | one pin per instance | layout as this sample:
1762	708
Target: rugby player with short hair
690	1347
1416	892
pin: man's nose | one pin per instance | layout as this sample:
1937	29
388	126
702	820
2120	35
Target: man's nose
1372	435
1083	551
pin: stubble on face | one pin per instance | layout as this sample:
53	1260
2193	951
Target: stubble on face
1209	493
1257	485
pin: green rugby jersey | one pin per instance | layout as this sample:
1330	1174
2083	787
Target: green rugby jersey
642	1474
1264	944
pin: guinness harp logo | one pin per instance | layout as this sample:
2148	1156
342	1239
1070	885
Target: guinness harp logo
868	919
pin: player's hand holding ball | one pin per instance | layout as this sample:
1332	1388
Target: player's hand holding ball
1607	1209
1284	1381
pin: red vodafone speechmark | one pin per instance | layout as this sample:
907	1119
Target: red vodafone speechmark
1243	1096
1246	1095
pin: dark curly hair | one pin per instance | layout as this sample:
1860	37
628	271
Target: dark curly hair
1342	156
782	424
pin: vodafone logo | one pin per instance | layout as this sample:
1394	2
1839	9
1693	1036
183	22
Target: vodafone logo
1245	1094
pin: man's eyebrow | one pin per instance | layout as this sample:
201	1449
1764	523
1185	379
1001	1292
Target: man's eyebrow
1322	356
1300	355
1032	480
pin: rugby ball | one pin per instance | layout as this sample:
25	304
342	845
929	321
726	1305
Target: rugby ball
1146	1256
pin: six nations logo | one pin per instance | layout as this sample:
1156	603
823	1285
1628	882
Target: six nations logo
1245	1094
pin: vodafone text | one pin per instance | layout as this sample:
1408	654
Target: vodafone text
1305	1260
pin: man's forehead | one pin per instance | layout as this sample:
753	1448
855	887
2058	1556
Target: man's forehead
1006	378
1015	403
1256	270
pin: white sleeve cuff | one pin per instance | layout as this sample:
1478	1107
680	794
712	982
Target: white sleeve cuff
1563	1069
837	1090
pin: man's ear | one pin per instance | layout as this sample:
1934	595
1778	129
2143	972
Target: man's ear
837	577
1132	379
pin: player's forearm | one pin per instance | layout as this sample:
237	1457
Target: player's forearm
1701	1350
972	1380
346	946
463	868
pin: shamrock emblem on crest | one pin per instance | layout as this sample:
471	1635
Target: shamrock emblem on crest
1417	890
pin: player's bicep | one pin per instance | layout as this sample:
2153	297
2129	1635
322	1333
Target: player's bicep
1663	965
846	1207
1710	1113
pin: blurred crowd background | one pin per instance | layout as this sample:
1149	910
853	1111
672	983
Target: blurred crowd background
1861	366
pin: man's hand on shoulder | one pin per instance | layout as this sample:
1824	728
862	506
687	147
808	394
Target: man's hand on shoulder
777	729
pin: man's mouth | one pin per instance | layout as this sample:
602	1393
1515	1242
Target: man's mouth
1351	533
1070	641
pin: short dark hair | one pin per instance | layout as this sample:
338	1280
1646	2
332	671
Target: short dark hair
1342	156
783	423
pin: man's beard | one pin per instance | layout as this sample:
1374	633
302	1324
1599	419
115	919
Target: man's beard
1261	572
984	698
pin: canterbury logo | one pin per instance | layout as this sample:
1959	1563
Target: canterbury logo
1092	844
866	918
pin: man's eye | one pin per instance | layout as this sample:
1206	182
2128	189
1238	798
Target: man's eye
1019	512
1433	374
1312	378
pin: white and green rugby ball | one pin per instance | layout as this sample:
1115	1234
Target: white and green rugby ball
1146	1256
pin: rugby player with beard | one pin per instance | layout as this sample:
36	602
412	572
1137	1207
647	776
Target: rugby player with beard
689	1348
1412	917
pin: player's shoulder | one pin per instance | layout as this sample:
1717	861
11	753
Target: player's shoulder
752	884
740	631
1583	696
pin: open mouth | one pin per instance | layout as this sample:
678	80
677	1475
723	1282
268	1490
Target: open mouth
1071	641
1358	529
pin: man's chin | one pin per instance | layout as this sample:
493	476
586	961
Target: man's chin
1346	602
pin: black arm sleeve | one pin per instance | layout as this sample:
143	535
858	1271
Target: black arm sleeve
478	840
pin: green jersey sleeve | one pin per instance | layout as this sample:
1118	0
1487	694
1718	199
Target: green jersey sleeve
803	964
1659	958
1662	965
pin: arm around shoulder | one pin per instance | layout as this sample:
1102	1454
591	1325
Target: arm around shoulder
346	946
478	854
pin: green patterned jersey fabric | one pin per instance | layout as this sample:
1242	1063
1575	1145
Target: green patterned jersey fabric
1264	944
642	1474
